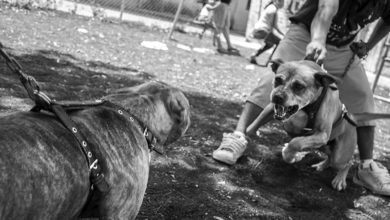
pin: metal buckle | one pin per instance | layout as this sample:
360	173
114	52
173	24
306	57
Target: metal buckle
94	165
146	132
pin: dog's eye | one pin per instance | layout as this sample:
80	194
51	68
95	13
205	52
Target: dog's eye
298	87
278	81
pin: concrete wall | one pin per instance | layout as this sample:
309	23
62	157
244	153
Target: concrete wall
239	14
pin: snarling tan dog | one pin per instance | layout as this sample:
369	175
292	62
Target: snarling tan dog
307	101
43	172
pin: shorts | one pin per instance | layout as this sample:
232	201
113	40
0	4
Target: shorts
269	38
354	88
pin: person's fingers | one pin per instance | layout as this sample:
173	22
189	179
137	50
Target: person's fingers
321	57
310	54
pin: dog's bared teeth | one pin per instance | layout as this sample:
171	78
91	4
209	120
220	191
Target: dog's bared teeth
280	111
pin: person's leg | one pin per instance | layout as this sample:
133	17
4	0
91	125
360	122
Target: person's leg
217	39
226	30
365	142
252	58
267	46
234	144
248	115
219	21
356	94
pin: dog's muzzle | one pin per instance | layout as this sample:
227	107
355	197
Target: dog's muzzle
284	112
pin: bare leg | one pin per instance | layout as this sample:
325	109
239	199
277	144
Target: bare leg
252	58
234	144
248	115
261	50
226	34
264	117
217	37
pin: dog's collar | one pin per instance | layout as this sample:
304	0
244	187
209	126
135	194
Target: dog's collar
312	108
150	138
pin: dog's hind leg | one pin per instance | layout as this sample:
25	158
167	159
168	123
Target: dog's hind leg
339	182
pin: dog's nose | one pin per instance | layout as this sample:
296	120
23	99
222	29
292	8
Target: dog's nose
278	99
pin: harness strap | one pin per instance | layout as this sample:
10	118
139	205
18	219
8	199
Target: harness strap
347	116
43	102
96	176
150	138
312	109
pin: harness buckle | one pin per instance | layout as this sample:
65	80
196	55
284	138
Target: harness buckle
94	165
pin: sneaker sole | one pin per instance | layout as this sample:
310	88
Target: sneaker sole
360	183
223	160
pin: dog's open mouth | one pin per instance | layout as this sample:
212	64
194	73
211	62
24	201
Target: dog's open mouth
282	112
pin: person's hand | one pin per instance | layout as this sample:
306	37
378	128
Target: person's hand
316	52
209	7
360	49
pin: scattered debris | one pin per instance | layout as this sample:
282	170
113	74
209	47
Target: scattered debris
154	45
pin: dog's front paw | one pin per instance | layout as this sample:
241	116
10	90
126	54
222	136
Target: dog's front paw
292	156
339	183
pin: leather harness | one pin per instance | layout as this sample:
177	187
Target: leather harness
312	109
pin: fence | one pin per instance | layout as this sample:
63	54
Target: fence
160	9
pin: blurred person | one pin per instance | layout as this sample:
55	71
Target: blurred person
206	18
222	21
323	31
206	13
270	28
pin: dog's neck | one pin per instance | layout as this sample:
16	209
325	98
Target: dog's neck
312	108
144	110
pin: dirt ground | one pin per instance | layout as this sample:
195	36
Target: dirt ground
78	58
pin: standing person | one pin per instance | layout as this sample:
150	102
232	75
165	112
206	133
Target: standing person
324	30
222	22
271	27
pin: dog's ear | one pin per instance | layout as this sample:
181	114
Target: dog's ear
275	64
324	79
179	110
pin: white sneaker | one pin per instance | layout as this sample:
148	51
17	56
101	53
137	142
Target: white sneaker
232	147
375	178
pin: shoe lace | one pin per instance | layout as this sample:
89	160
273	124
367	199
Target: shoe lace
232	143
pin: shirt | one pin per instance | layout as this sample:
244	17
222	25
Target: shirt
351	17
271	19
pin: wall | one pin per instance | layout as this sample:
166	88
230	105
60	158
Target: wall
239	15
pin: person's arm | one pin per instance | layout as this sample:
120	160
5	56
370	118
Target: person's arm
319	29
381	29
277	33
213	7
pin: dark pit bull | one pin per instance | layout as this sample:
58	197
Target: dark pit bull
43	173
